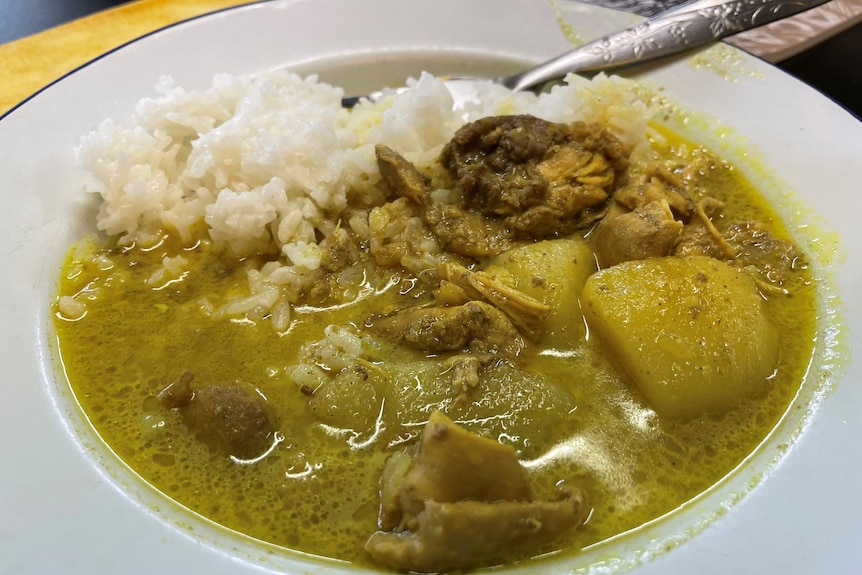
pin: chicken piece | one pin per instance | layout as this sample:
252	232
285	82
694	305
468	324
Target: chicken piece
232	417
646	219
464	500
527	313
466	233
645	232
460	231
401	176
663	186
452	464
769	260
701	237
468	533
541	178
475	326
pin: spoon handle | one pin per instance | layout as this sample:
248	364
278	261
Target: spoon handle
686	26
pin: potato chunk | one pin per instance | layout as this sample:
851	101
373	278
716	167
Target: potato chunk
691	332
553	272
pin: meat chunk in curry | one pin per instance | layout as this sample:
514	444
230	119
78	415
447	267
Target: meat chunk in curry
540	178
231	417
460	501
648	231
645	219
474	326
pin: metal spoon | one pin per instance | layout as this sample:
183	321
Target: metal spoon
689	25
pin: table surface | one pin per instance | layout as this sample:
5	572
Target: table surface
41	40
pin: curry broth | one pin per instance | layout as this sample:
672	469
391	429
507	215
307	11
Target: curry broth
317	489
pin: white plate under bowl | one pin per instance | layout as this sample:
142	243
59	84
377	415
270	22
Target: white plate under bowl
69	506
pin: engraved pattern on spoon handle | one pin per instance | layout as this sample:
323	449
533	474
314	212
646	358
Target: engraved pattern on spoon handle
692	26
687	26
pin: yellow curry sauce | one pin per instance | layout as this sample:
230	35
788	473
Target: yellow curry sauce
572	414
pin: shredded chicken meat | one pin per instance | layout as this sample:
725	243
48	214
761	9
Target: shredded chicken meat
525	312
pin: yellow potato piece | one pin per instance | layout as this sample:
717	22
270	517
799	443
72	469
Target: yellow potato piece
691	332
553	272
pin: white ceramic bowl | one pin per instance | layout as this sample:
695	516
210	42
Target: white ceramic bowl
69	505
